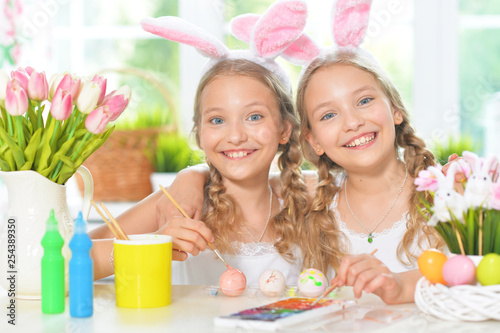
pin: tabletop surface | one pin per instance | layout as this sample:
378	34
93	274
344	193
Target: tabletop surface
193	310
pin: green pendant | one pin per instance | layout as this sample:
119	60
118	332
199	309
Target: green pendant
370	238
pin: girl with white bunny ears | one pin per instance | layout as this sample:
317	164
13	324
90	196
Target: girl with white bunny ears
271	34
354	124
225	213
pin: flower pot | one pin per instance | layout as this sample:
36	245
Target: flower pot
30	199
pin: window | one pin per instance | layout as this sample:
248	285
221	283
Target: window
480	72
442	55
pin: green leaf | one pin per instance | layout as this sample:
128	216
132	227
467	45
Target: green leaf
2	117
471	234
32	118
16	151
497	240
68	170
4	166
31	149
492	223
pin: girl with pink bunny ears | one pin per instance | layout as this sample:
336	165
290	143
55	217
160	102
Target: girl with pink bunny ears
354	125
243	116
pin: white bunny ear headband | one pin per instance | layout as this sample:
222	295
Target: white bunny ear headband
349	20
271	34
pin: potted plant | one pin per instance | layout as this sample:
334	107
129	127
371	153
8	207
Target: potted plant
469	223
172	154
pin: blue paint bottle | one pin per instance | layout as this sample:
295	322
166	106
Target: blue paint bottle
81	272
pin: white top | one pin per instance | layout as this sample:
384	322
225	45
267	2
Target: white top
251	258
386	242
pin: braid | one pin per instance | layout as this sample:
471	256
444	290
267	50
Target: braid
294	194
417	158
222	214
321	225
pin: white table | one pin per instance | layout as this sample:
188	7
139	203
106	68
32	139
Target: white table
192	310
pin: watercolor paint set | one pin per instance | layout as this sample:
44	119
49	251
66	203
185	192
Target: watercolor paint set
282	314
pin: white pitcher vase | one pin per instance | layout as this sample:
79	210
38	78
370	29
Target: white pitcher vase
31	197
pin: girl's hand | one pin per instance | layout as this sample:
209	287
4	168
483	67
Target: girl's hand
460	176
188	236
188	190
366	273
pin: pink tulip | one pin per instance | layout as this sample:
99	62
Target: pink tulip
70	84
98	119
21	76
101	81
494	200
38	87
117	101
426	181
62	105
16	100
29	70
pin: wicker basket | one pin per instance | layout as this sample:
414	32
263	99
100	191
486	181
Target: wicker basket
120	168
466	303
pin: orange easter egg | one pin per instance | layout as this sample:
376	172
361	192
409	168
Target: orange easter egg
430	264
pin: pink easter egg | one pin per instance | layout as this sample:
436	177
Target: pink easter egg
459	270
232	282
312	282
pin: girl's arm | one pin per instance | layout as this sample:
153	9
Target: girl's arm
101	254
188	190
366	273
140	219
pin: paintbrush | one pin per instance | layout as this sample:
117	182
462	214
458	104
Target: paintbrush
330	289
212	246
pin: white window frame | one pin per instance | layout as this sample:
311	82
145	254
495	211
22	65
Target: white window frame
436	108
436	111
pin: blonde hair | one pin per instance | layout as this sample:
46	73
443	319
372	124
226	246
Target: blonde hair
321	223
223	216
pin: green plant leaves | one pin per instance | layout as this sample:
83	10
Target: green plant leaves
17	153
49	145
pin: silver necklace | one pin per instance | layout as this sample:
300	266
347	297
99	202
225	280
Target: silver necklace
268	218
370	233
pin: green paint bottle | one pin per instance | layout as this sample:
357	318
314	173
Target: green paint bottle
53	292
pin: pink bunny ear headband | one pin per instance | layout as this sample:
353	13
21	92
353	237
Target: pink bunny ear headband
270	34
349	24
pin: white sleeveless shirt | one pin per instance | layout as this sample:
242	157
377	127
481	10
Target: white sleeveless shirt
386	242
251	258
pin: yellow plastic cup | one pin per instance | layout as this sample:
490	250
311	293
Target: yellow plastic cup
143	271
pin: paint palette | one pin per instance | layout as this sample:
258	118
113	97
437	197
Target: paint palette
282	313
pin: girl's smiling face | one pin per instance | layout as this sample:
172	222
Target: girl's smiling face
351	118
240	127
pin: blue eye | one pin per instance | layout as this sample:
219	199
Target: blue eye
328	116
365	100
217	121
255	117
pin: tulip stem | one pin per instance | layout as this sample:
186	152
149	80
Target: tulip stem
85	138
74	125
20	133
55	133
39	115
